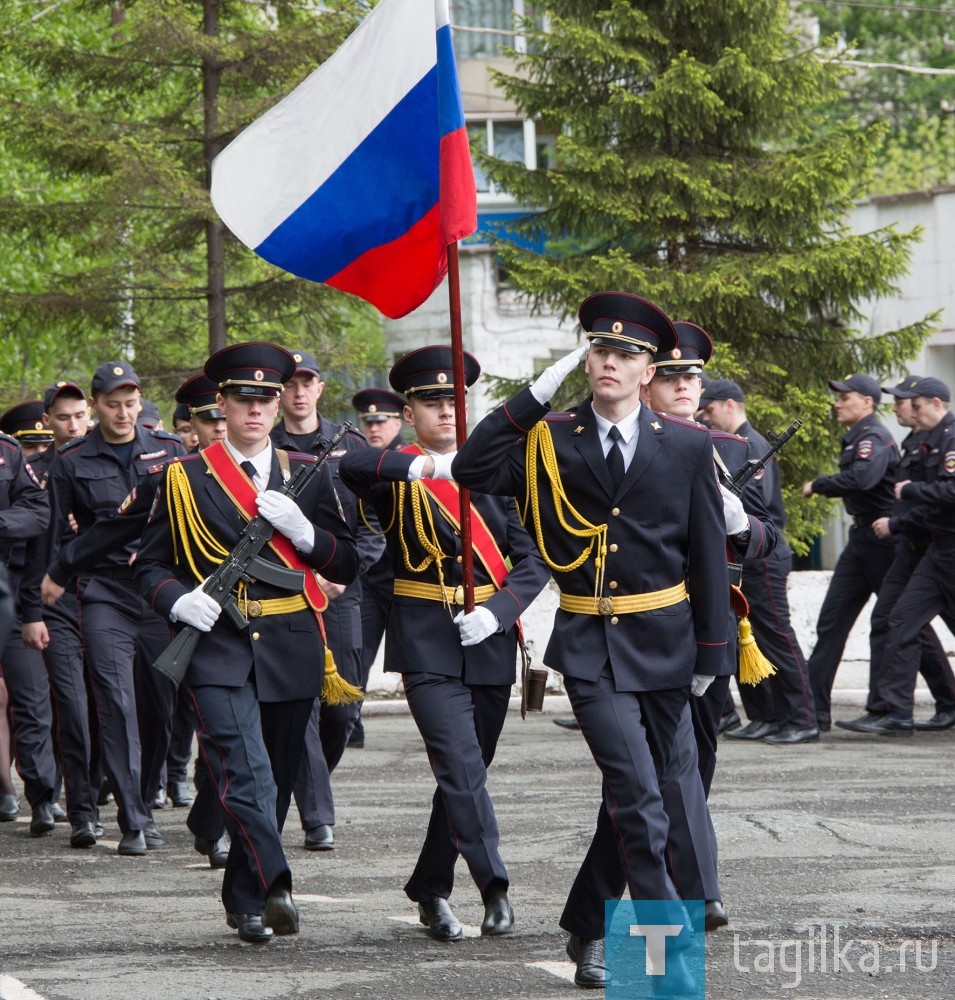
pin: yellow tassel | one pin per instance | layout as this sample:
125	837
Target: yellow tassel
753	666
335	689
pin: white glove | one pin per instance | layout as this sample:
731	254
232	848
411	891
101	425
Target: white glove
549	381
197	609
733	513
442	466
285	515
699	684
476	626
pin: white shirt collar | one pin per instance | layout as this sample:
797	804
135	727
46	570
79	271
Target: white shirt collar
627	426
262	462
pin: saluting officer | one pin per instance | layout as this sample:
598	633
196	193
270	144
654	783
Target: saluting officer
866	475
457	668
626	511
252	687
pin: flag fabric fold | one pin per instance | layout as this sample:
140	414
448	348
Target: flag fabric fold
361	176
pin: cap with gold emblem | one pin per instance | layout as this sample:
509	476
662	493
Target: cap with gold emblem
626	322
198	396
112	375
427	373
149	415
693	349
376	405
251	369
306	364
865	385
62	388
904	388
25	423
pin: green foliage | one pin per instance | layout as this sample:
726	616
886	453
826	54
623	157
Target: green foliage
110	114
694	167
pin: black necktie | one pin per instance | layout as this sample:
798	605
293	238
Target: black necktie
615	457
249	469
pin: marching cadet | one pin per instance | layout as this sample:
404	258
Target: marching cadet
867	465
182	426
302	427
252	687
929	590
379	411
781	708
89	480
457	667
25	514
614	479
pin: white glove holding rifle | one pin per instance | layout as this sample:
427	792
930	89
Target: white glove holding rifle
197	609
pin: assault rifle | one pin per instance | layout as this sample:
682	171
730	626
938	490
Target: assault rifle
752	466
245	564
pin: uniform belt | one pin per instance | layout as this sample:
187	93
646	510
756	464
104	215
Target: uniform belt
272	606
623	604
437	592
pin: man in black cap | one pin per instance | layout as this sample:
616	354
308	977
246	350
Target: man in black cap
628	516
302	428
781	708
930	501
457	667
149	416
89	481
182	426
24	423
867	465
253	686
379	411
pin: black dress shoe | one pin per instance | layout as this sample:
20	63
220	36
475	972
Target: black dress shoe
181	793
320	838
42	821
132	844
714	915
789	735
217	851
591	971
83	835
729	722
59	813
940	720
250	927
152	836
823	722
885	726
567	723
9	808
442	924
754	730
498	914
864	719
280	912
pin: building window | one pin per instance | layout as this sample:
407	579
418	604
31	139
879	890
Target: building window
483	29
517	141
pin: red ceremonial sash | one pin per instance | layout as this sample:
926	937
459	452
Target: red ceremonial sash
447	495
242	492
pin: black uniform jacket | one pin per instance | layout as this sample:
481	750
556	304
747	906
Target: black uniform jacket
421	635
24	508
935	495
665	527
284	650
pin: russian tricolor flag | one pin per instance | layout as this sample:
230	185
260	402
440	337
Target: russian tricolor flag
361	176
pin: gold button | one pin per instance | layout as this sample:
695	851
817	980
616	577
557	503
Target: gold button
612	585
613	548
614	620
616	512
255	635
459	559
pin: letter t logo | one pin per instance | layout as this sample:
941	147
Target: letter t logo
656	935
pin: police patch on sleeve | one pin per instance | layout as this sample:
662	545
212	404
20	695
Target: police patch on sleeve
864	449
949	463
124	506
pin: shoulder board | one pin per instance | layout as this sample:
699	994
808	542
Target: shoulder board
726	435
301	456
164	435
10	442
682	422
561	416
154	470
70	445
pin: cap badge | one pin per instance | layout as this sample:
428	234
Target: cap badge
297	358
60	385
38	426
617	327
372	408
442	378
117	370
258	375
676	354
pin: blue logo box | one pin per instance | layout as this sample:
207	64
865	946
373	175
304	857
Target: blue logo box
652	951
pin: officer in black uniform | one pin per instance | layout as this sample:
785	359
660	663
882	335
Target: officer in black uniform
781	709
25	514
929	590
303	428
55	631
379	411
90	479
641	488
182	426
457	668
911	539
252	687
865	479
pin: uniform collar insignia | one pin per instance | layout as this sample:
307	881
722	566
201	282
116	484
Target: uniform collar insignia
656	425
579	429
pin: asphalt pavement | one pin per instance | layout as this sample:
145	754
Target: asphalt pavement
837	867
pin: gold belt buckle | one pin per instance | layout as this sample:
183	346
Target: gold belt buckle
254	609
458	595
605	606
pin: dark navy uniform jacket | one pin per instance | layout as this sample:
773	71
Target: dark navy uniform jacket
24	507
866	473
285	651
936	494
421	635
665	526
